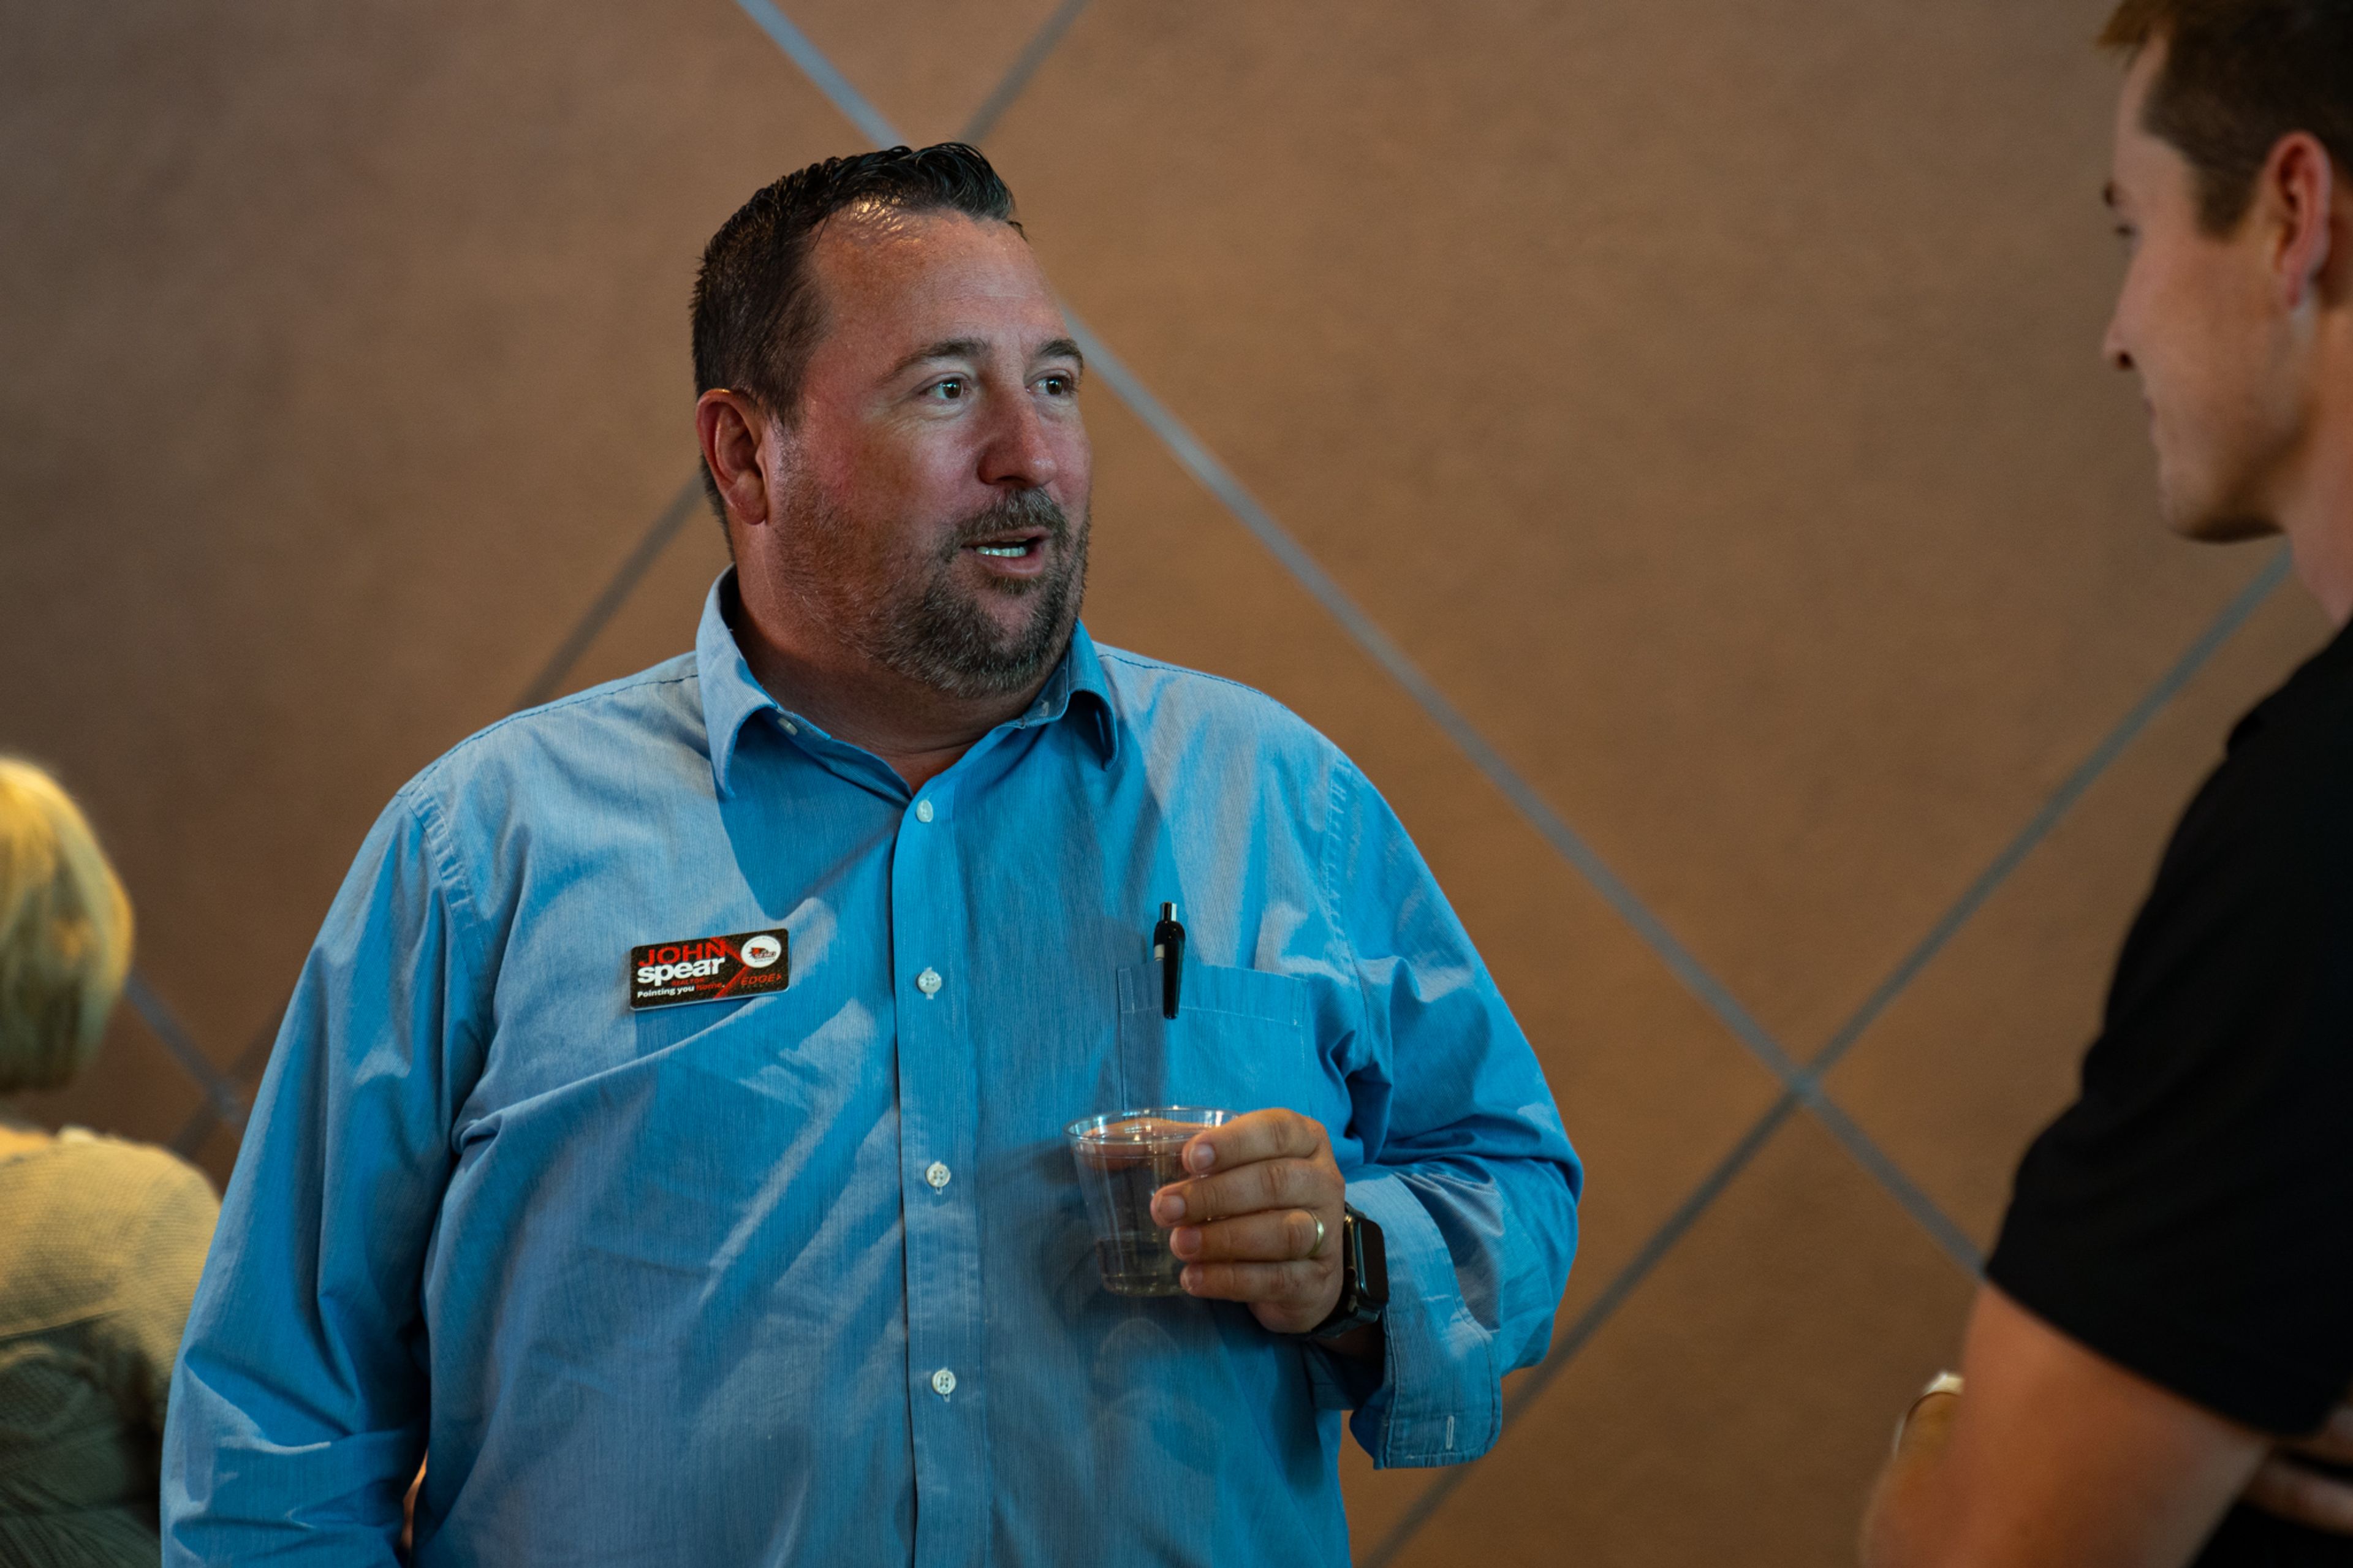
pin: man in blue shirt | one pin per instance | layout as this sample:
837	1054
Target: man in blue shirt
798	1270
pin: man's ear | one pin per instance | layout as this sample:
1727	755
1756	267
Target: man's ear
730	427
2305	203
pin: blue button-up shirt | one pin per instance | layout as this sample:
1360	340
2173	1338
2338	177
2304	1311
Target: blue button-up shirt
808	1277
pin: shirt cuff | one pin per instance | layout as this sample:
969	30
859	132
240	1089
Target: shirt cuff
1439	1400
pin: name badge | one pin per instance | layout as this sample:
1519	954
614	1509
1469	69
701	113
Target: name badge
710	968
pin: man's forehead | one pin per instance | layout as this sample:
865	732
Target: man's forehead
2132	100
2139	156
932	278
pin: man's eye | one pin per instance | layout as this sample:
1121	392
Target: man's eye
950	390
1058	386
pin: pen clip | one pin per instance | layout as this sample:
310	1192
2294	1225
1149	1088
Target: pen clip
1168	947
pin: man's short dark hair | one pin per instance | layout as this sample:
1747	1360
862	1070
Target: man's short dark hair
756	313
2239	75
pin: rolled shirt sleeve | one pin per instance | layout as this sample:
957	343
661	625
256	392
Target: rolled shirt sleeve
1467	1170
299	1401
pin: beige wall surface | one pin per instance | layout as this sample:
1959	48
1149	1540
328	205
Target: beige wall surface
1713	529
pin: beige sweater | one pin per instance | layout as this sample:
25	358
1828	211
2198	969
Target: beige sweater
100	1244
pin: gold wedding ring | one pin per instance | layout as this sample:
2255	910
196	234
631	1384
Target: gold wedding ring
1316	1250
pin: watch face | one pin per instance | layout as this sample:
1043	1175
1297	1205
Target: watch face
1372	1264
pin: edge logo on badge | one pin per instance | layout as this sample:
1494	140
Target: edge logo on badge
708	969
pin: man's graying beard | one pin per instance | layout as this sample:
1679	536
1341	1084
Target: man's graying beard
943	637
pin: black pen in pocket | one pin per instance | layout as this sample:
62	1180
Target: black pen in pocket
1168	947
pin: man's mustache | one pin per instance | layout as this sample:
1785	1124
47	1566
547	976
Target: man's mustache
1020	510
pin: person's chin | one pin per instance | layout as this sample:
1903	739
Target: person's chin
2231	530
1024	623
2217	522
2207	513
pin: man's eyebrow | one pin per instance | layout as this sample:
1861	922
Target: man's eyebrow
975	349
946	347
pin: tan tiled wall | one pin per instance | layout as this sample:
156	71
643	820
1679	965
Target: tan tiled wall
1704	400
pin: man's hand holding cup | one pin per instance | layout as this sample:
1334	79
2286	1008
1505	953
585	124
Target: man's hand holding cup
1258	1219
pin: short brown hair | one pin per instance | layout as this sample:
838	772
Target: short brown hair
757	316
2239	75
64	933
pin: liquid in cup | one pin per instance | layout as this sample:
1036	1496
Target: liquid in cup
1124	1157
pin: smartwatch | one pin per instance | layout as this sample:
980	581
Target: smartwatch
1364	1280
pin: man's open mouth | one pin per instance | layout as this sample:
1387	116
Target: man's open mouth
1011	549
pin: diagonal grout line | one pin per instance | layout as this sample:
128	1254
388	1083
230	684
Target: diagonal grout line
2063	800
993	108
1950	1238
246	1069
220	1097
212	1108
1213	475
1613	1296
1638	1268
819	69
624	581
625	577
1589	1321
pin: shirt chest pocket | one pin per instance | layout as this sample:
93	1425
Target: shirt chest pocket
1238	1042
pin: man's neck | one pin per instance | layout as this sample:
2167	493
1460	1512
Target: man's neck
920	730
2319	519
2312	494
2315	499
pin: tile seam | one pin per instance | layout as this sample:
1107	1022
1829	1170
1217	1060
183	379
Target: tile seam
1016	81
617	589
219	1094
1595	1313
837	87
655	539
2063	800
246	1069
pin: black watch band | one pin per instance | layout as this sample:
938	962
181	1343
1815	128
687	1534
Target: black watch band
1364	1280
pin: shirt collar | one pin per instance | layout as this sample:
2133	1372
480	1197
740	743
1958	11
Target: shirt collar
732	696
1077	690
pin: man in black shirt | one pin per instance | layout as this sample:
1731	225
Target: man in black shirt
2167	1324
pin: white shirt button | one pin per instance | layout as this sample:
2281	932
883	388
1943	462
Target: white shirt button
929	982
791	728
938	1174
923	810
944	1383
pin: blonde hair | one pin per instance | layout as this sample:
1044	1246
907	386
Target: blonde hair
64	933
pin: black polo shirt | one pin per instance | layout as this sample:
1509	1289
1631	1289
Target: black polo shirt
2190	1216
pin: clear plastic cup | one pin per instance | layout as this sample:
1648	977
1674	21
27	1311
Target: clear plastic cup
1124	1157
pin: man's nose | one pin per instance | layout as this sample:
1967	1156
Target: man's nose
1018	453
2112	346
